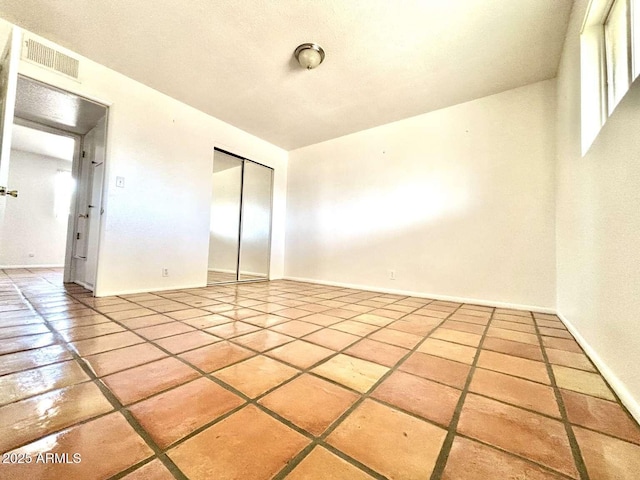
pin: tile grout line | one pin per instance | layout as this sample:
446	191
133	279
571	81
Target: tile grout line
258	352
118	407
160	453
231	340
321	439
595	370
139	429
443	456
533	463
112	399
391	370
578	460
254	401
287	319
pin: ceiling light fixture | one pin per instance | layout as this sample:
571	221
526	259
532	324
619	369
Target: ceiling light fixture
309	55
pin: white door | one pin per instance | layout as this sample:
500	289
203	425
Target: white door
95	206
89	206
8	86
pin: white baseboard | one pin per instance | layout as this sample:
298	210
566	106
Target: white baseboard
83	285
147	290
255	274
409	293
616	384
7	267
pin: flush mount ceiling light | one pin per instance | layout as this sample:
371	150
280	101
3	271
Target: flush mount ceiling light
309	55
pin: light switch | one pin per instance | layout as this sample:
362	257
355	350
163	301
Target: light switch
120	182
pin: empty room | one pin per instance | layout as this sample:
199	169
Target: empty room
355	239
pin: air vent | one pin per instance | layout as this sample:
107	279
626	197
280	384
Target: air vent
50	58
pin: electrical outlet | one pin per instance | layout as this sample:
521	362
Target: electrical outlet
392	274
165	272
120	182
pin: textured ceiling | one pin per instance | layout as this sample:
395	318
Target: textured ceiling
43	104
386	60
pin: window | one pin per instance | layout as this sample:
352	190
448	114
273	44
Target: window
617	36
610	61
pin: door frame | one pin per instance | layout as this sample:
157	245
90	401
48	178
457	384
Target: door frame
75	167
74	211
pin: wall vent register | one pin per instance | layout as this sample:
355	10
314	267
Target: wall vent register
50	58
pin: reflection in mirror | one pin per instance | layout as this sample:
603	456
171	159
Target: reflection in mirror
225	218
256	222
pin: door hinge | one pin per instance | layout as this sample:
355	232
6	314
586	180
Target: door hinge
84	154
78	236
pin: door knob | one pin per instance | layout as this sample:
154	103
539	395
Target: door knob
4	191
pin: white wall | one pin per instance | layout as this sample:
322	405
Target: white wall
598	227
30	224
164	150
459	202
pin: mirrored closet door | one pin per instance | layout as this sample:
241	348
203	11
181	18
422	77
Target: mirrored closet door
240	232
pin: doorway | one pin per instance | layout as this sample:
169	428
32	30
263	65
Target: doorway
56	211
240	231
34	230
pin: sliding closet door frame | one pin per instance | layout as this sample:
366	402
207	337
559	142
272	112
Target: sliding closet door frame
238	280
241	214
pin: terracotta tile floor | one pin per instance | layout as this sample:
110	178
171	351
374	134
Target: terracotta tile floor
299	381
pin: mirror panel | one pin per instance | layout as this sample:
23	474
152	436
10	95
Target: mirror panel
256	222
225	218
